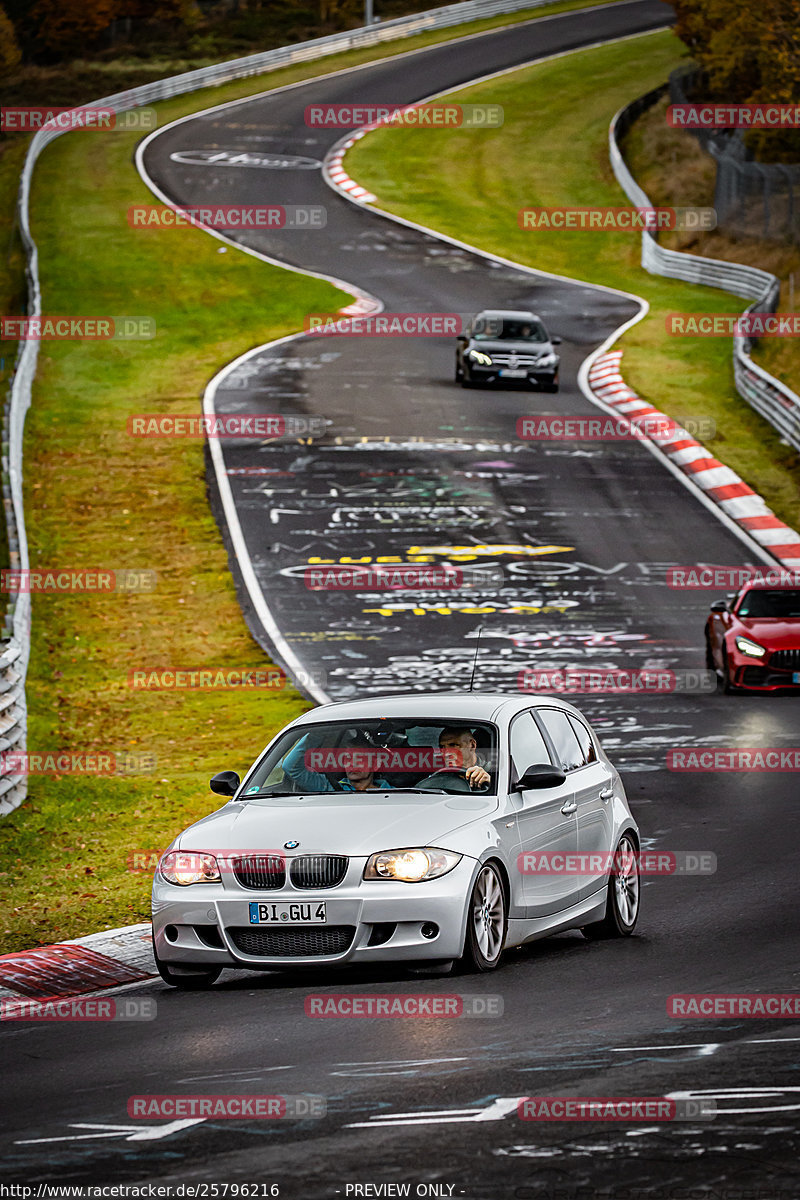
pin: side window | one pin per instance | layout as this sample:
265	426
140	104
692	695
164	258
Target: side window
584	738
565	740
528	747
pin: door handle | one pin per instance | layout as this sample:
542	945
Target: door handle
606	794
569	807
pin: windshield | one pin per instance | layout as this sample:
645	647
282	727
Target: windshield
492	329
380	756
764	603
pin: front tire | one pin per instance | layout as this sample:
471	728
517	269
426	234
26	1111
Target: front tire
194	979
622	901
487	922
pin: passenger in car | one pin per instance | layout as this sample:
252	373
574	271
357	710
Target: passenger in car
355	778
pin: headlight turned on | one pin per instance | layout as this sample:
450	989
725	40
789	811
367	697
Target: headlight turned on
185	866
411	866
479	357
746	646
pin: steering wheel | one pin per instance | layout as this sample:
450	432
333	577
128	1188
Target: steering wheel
459	773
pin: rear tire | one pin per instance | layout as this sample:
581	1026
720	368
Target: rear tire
487	922
194	980
622	901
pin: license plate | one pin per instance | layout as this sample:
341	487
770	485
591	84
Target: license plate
796	677
513	373
287	914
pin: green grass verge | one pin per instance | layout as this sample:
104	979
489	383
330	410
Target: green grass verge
96	497
553	150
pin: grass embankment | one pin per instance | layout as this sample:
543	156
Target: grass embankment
673	169
96	497
553	150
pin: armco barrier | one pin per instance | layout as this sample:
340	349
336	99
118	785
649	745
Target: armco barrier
15	638
768	396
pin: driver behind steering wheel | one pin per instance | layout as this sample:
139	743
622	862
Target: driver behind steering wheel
463	745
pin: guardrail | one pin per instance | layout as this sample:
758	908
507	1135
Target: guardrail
15	638
777	403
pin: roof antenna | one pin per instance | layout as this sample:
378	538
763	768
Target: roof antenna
475	661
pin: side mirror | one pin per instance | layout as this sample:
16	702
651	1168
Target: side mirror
540	777
225	783
462	339
719	606
556	341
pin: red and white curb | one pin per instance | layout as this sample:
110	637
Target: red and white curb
719	483
361	307
79	967
337	174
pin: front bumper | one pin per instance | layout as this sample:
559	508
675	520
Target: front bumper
541	378
209	924
745	673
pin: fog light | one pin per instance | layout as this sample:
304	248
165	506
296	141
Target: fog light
429	930
171	933
381	933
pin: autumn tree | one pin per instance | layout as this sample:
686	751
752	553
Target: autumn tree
65	28
748	54
10	53
153	10
339	11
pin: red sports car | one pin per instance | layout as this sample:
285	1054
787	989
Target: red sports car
753	640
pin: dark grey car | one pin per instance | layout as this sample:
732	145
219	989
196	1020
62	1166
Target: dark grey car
507	346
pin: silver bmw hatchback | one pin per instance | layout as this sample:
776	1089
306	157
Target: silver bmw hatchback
424	829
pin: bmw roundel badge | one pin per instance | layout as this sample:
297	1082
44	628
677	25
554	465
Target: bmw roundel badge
290	845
